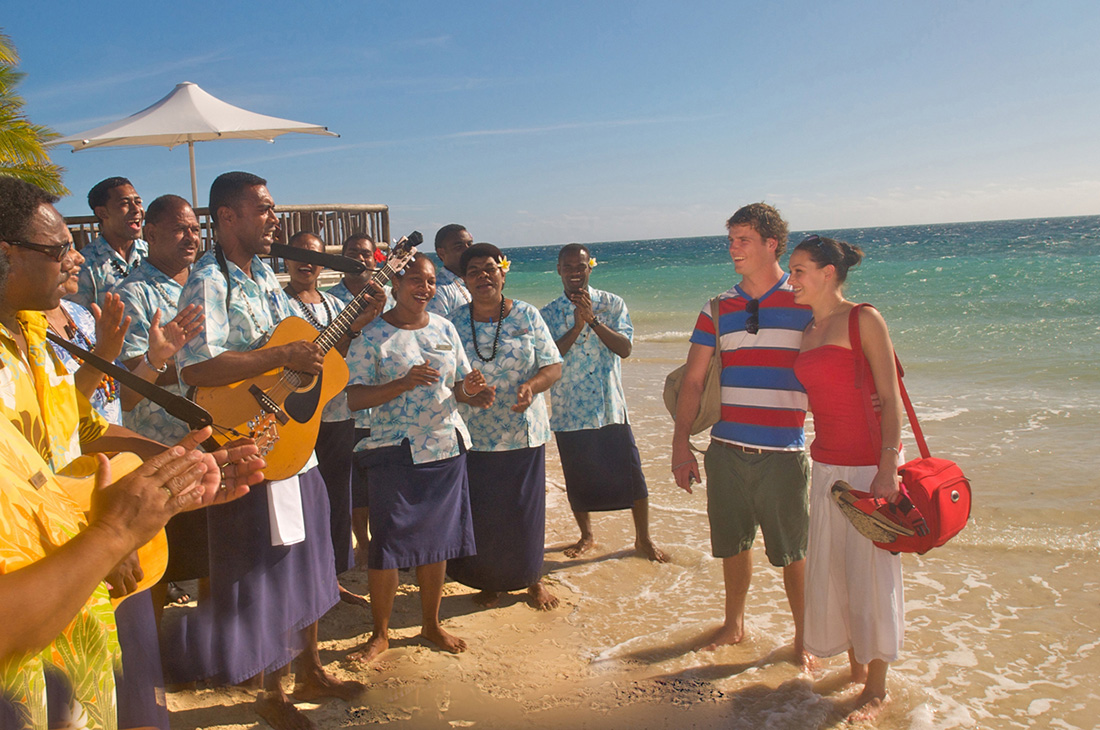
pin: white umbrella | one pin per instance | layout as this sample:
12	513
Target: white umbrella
188	114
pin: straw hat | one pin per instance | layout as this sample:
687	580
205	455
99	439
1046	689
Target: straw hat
875	519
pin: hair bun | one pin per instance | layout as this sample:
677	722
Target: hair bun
852	254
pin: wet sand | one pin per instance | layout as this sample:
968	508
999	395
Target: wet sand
1003	625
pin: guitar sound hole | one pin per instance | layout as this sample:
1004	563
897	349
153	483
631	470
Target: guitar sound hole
300	380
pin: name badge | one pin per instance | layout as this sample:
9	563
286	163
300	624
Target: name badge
38	479
444	348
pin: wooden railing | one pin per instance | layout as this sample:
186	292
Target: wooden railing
332	223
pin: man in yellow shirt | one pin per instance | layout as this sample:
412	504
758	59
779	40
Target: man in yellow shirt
39	402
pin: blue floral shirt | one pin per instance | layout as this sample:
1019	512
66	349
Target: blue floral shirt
106	398
450	292
143	292
256	306
426	415
104	269
525	346
322	313
590	392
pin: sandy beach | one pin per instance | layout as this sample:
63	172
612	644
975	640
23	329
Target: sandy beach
1002	626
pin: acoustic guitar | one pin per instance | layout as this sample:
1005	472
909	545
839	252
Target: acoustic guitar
78	480
283	407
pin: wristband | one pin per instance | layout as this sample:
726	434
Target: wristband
464	391
149	362
891	448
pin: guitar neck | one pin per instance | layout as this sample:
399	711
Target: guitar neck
341	323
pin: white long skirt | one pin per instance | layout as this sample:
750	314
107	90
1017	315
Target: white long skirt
854	596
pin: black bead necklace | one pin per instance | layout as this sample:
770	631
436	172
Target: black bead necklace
309	310
496	337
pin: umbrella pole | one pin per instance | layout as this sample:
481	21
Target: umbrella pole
194	184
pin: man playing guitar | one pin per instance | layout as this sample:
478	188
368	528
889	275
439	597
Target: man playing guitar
255	611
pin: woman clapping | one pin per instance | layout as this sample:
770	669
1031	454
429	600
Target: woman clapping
512	345
410	368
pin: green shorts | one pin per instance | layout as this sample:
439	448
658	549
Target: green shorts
769	490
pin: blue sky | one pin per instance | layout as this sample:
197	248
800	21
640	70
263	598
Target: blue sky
539	123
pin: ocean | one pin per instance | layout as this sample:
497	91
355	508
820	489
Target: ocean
997	326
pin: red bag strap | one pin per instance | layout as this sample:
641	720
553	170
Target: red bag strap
862	367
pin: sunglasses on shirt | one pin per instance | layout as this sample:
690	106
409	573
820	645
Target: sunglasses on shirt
752	322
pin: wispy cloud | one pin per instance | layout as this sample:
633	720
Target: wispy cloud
328	149
605	124
95	85
438	41
439	84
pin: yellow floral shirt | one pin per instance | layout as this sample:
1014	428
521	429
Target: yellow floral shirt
39	398
36	517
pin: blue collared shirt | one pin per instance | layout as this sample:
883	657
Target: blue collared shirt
590	392
256	306
146	290
104	269
450	293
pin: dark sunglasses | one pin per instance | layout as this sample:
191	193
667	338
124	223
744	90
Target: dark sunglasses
56	252
752	323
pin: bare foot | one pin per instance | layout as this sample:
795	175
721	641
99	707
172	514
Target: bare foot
540	598
353	598
647	549
580	547
488	599
808	662
445	641
280	713
318	684
859	674
366	652
866	707
721	636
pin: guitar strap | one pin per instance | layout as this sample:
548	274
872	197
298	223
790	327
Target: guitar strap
194	415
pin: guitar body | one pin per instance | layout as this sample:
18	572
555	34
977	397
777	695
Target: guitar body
78	480
292	433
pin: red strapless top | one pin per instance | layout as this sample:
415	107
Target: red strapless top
842	432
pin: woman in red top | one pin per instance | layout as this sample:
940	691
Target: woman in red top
854	598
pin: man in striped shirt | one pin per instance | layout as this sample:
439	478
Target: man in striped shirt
756	465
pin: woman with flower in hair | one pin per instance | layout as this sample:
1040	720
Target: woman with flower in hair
510	343
854	599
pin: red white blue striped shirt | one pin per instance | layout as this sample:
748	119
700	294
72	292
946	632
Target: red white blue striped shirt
763	404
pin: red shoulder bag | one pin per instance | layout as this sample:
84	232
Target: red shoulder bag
936	488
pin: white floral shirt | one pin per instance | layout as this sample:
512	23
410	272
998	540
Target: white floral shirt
143	292
590	392
525	346
426	415
450	292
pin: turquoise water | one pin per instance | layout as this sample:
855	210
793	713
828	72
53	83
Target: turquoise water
980	295
997	326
